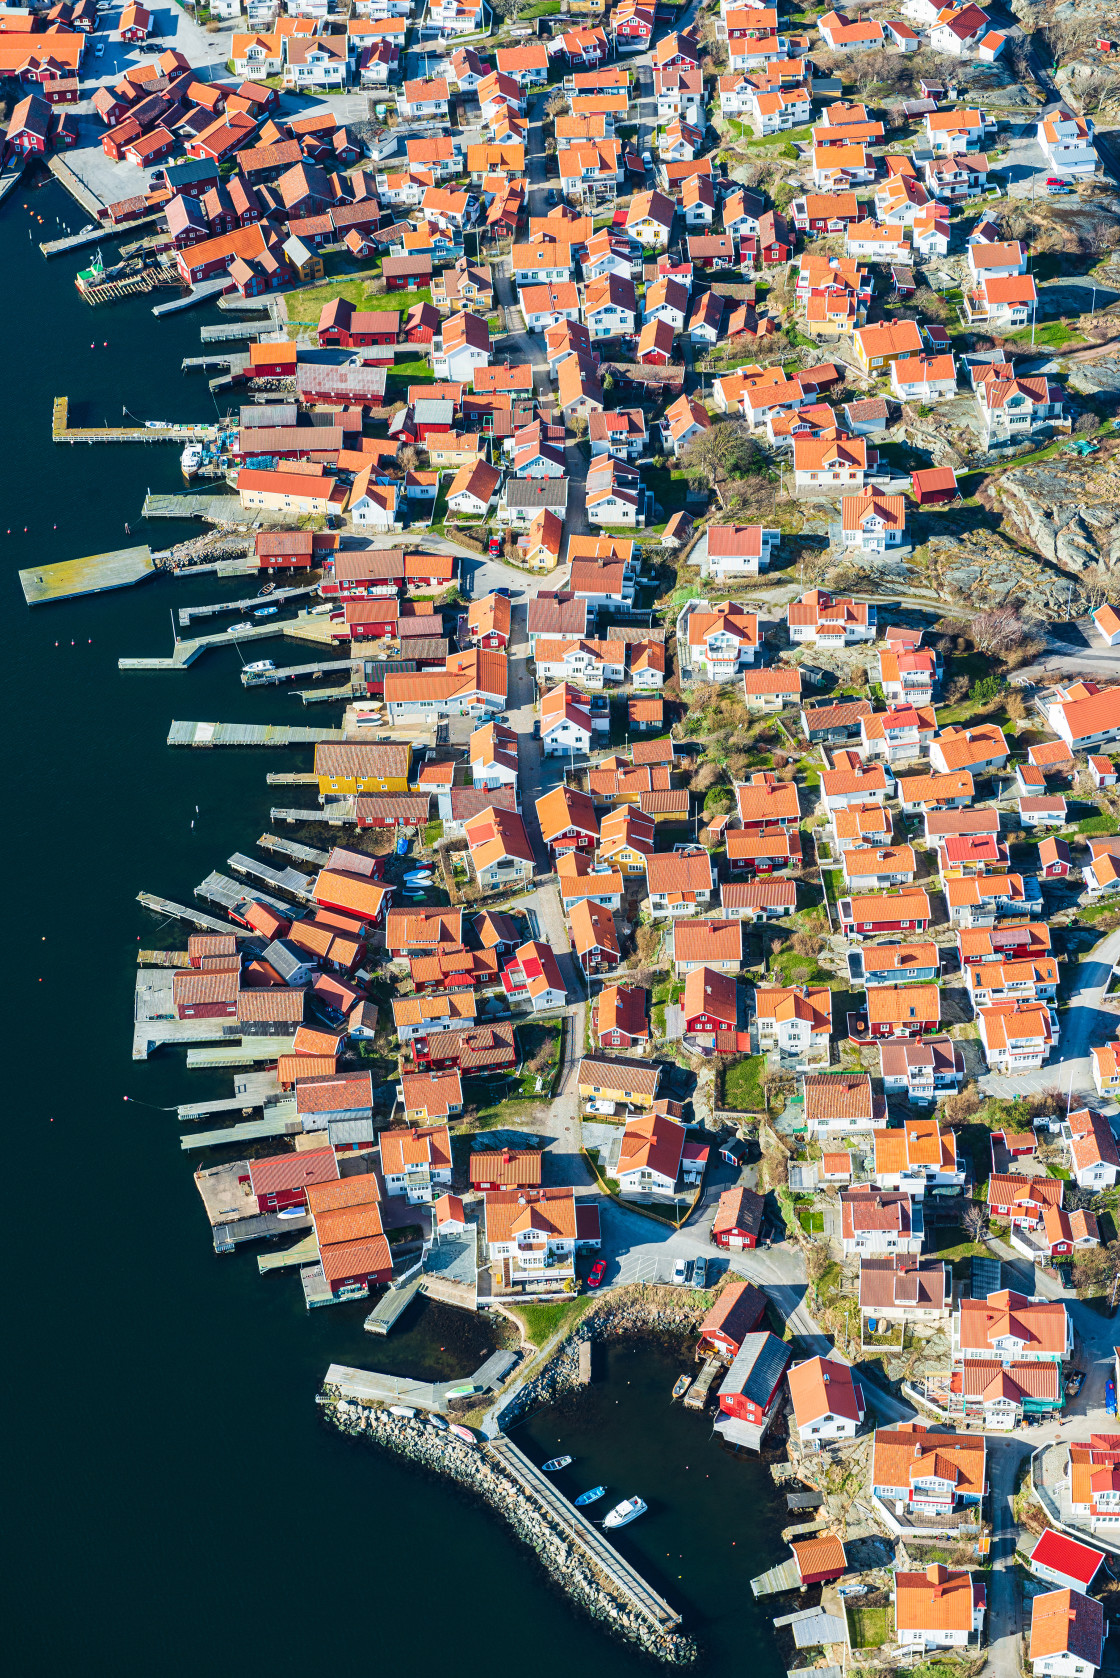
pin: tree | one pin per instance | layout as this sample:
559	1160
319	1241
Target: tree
974	1220
998	630
724	450
958	1108
1096	1270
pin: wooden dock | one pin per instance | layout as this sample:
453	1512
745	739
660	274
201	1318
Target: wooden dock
200	292
99	236
340	812
214	509
92	574
281	879
217	888
599	1551
75	186
785	1577
187	614
261	1228
158	432
248	734
304	1252
254	1130
697	1395
195	917
239	329
298	672
252	1089
188	649
289	847
392	1304
250	1049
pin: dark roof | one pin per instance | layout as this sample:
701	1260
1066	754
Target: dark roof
758	1368
986	1277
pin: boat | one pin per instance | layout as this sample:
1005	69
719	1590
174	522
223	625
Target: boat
265	611
592	1496
554	1463
404	1410
190	460
267	588
623	1513
682	1386
437	1422
293	1212
462	1432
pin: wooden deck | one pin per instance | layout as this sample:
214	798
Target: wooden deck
92	574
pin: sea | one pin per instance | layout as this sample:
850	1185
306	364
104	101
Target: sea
173	1502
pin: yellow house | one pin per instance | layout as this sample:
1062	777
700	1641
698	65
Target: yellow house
289	492
540	546
877	346
305	261
632	1082
354	768
626	839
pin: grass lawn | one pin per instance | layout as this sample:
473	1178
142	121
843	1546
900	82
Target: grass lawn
1098	825
867	1626
949	1243
405	373
742	1089
669	490
811	1222
669	990
307	305
432	832
540	1322
1055	335
1058	1171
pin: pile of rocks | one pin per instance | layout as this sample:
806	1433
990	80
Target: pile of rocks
484	1474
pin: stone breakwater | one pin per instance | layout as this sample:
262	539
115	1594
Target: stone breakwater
565	1561
655	1312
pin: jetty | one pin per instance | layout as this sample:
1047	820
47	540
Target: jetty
227	1053
289	847
392	1304
96	236
76	187
181	912
92	574
200	292
304	1252
697	1395
785	1577
248	734
296	672
252	1089
254	1130
581	1532
132	283
187	614
188	504
216	888
155	1022
153	431
238	329
281	879
263	1227
231	361
340	812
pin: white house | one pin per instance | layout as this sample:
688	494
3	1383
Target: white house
959	31
493	755
1068	1630
1093	1156
739	550
939	1608
531	1234
474	488
462	347
1067	141
1017	1037
796	1021
872	522
996	259
566	726
828	1401
924	378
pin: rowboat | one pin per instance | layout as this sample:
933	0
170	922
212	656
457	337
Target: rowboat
682	1386
592	1496
554	1463
404	1410
462	1432
623	1513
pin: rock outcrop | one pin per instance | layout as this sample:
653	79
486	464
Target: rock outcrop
1067	510
979	565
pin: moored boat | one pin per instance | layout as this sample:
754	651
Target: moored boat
623	1513
592	1496
682	1386
554	1463
190	460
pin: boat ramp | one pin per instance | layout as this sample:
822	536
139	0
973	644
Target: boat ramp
92	574
248	734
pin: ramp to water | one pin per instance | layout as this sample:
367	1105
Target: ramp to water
391	1306
92	574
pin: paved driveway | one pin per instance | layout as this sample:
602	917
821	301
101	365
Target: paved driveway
1082	1025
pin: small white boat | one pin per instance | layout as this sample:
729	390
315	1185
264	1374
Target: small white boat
293	1212
190	460
592	1496
404	1410
555	1463
623	1513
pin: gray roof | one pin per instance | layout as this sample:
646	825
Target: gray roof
802	1177
758	1368
985	1277
532	492
817	1629
285	958
428	412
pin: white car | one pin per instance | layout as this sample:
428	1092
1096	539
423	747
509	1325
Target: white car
680	1272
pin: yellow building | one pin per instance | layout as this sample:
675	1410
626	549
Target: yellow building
626	839
289	492
631	1082
305	261
354	768
878	345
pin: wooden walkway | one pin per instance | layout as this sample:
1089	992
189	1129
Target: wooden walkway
340	813
180	912
247	734
63	432
92	574
283	879
249	1049
581	1532
392	1305
254	1130
255	601
217	888
297	672
289	847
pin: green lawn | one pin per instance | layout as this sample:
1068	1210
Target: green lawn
811	1222
1101	824
742	1089
307	305
867	1627
1055	335
948	1243
669	487
543	1321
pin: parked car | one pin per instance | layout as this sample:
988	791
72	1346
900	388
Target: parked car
597	1272
494	545
699	1272
537	729
680	1272
504	591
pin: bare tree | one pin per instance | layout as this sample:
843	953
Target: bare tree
974	1220
1097	1271
998	630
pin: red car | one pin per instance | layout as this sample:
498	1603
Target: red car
597	1272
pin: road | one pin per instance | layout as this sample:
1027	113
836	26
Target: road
1082	1026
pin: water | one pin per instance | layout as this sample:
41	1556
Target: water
171	1495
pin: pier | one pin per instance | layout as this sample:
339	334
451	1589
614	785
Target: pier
255	1130
260	1228
75	186
304	1252
697	1395
288	847
785	1577
216	888
98	236
227	1054
158	431
581	1532
132	284
188	504
252	1089
92	574
297	672
340	812
283	879
248	734
195	917
200	292
392	1304
240	329
187	614
231	361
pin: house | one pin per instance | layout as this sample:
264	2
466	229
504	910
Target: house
762	853
505	1169
959	30
1017	1037
979	749
738	1311
918	1291
1107	620
859	825
721	639
593	934
1093	1155
533	975
649	219
683	420
531	1234
707	943
894	964
853	782
1012	981
1085	716
626	840
679	881
828	1401
739	550
889	865
493	756
415	1160
1009	1325
841	35
500	851
796	1021
474	488
880	344
909	676
940	1608
1002	304
766	803
1062	1561
920	1070
1094	1497
924	378
620	1017
771	690
916	1157
821	617
749	1394
834	724
982	898
650	1159
1068	1630
903	911
566	721
873	1222
871	522
738	1220
1067	142
462	348
711	1005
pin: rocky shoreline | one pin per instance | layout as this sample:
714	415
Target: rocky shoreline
481	1473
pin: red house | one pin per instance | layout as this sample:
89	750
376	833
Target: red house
738	1219
819	1559
480	1049
903	1010
370	619
511	1168
202	994
420	324
934	484
774	238
655	345
282	1180
136	23
30	125
750	852
1053	859
710	1002
340	323
406	273
897	911
738	1311
61	90
114	141
750	1394
271	361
